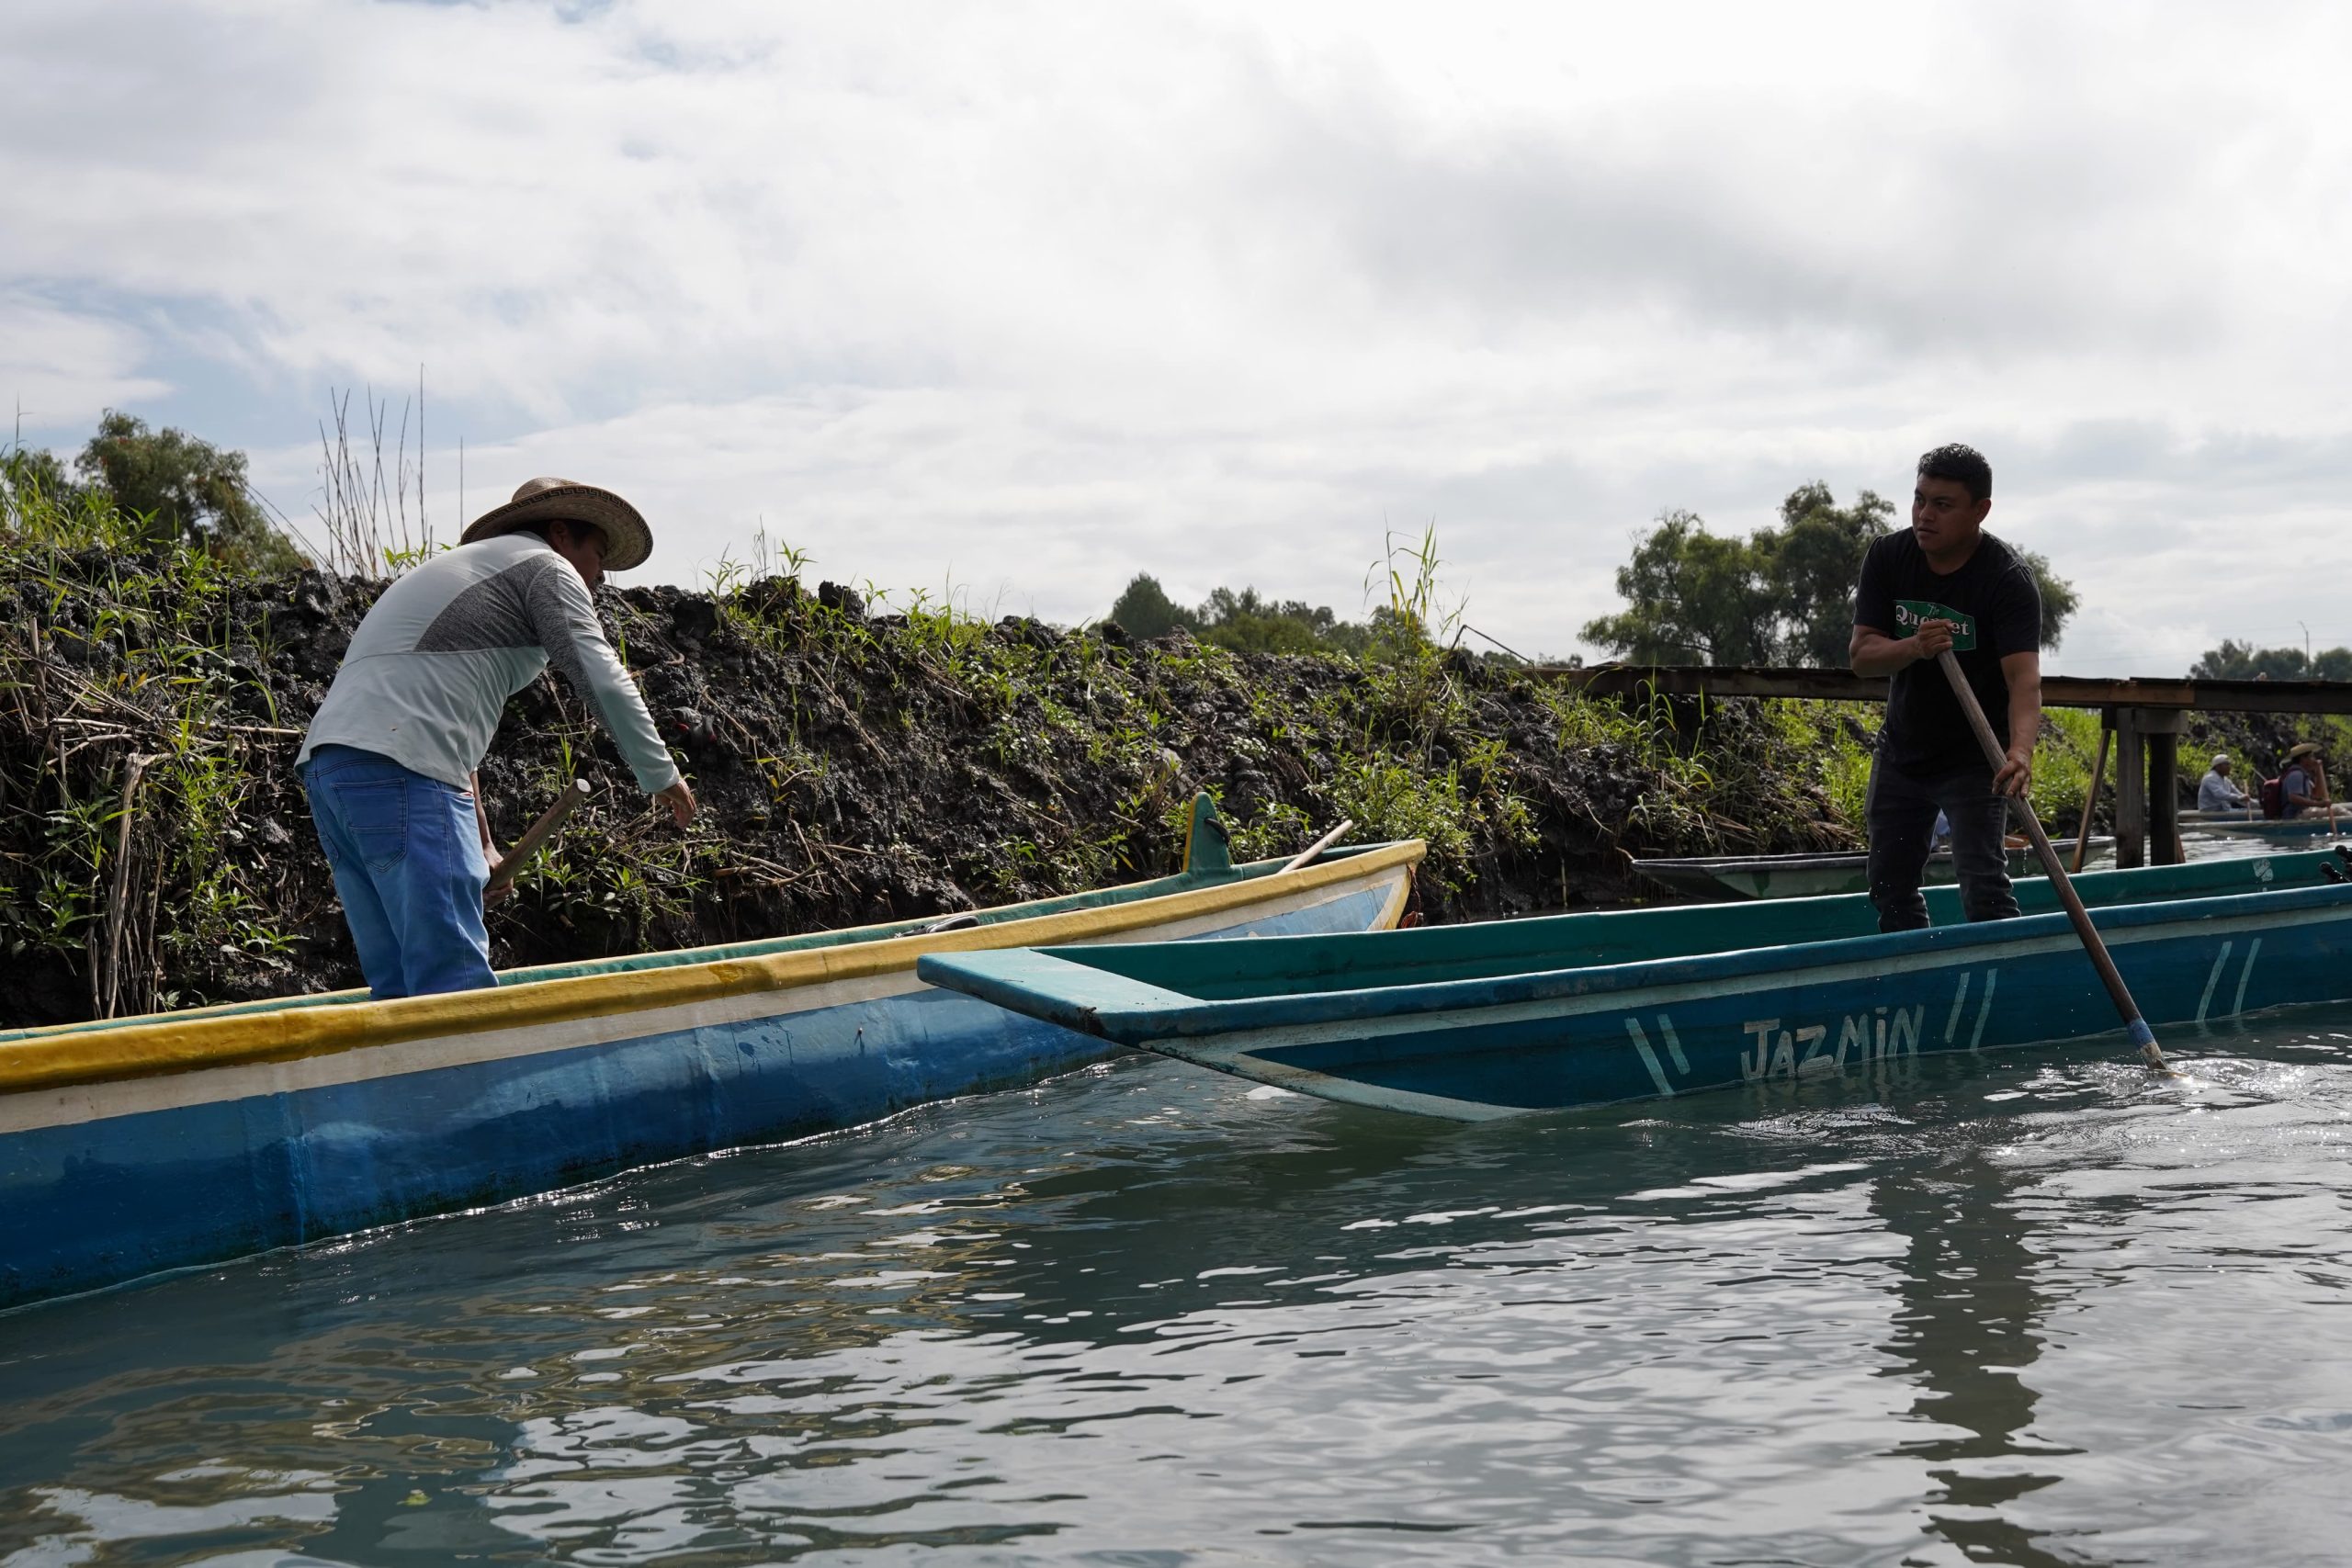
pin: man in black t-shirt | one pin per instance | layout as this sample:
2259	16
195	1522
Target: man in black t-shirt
1945	583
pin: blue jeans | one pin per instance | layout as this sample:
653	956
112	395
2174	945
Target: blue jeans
1901	818
407	856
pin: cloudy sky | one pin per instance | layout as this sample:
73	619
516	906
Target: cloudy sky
1021	298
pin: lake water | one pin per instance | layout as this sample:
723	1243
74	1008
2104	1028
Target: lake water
2043	1309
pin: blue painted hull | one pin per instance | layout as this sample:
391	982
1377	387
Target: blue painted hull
238	1160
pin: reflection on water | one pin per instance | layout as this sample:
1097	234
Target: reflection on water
2038	1310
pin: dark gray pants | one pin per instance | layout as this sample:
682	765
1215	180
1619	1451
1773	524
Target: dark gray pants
1901	815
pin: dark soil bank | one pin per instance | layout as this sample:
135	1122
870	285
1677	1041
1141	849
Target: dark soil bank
853	766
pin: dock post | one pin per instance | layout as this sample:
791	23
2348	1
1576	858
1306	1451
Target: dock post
2131	792
2163	729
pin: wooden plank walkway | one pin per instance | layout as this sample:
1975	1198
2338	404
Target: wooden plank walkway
2148	718
2057	691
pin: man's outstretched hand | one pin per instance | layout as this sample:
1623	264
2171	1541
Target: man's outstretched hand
680	799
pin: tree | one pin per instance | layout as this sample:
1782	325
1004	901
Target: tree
1692	597
1813	558
2244	661
1145	609
1785	594
184	490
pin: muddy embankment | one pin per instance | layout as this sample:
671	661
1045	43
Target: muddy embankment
853	766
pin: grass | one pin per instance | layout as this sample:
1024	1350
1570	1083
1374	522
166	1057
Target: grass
143	738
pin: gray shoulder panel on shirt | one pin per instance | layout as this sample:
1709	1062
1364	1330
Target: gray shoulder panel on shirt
491	614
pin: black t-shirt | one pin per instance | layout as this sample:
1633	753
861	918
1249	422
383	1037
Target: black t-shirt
1992	601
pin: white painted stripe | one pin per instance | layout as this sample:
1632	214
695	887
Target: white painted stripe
1649	1057
1673	1045
2221	962
30	1109
1959	1000
1984	1011
2244	974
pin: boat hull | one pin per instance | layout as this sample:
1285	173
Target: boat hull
1868	1007
2283	829
1478	1022
111	1175
1818	876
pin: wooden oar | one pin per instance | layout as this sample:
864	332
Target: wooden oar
2090	800
2136	1026
1319	845
537	833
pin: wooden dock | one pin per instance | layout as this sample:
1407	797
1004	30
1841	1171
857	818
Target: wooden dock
2147	716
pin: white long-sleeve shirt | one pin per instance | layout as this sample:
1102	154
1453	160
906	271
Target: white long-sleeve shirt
2215	793
431	667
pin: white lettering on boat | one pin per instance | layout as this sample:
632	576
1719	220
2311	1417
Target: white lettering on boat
1773	1052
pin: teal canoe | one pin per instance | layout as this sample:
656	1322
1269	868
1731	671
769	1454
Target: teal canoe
1474	1022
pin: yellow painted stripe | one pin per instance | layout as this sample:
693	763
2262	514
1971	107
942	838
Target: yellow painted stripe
169	1045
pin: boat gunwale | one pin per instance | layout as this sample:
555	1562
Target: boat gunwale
1826	860
165	1044
1197	1018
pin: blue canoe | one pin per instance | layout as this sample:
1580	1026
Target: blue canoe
186	1138
1474	1022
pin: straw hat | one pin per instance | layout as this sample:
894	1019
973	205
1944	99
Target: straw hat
628	541
2305	750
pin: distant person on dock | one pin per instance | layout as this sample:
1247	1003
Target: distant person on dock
2302	786
2217	792
1945	583
390	759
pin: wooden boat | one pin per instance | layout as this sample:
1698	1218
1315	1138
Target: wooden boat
2281	829
1814	876
1479	1022
187	1138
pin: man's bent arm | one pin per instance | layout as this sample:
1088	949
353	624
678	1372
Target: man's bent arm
565	619
2023	672
1871	653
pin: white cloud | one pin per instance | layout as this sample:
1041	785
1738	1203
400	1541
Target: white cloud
58	366
1046	294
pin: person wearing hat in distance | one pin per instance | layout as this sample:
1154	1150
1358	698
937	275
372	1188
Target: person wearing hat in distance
391	757
2302	786
2217	791
1945	584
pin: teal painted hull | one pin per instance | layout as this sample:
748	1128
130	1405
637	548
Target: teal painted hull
1583	1009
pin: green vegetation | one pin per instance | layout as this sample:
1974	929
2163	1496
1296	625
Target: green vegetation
1783	595
165	488
862	756
1243	621
140	756
2244	661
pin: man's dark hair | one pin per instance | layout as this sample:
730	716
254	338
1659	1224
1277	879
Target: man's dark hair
1961	465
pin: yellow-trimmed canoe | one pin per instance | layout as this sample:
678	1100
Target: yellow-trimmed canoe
187	1138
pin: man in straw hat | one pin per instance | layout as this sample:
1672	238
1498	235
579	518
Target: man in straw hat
2302	783
390	758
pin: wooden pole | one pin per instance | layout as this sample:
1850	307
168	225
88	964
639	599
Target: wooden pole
537	833
1306	855
2131	792
2135	1025
2090	800
2163	795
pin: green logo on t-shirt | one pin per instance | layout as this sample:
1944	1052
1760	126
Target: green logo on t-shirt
1909	612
